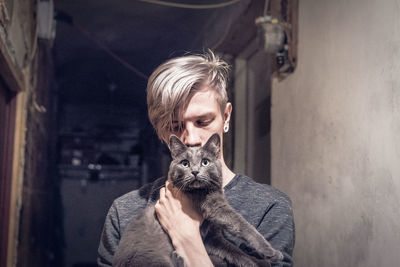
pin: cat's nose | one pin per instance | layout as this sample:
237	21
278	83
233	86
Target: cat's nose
195	173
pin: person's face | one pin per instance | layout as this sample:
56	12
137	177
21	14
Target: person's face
201	118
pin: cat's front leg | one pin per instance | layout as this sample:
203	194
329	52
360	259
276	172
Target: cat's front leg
228	219
257	242
221	250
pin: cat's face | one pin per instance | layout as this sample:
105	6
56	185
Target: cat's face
194	168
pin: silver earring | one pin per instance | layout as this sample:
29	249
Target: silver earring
226	128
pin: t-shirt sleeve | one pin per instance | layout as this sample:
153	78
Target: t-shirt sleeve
109	239
277	226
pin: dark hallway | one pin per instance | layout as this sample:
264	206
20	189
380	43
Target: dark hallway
74	94
103	53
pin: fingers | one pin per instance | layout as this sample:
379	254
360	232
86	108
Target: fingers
174	210
166	208
162	193
167	198
160	202
171	190
169	186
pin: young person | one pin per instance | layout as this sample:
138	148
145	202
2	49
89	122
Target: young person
186	96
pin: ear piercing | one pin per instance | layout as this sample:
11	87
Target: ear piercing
226	128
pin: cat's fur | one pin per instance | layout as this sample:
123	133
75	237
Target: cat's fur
197	172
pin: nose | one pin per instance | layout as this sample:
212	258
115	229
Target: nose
195	173
191	136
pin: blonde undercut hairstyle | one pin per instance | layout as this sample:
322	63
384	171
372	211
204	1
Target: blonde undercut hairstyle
172	84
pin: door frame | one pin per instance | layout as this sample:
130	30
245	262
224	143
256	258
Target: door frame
6	167
12	85
247	121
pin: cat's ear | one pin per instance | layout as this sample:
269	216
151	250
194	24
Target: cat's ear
176	146
213	145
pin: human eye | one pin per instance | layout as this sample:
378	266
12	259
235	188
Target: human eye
185	163
204	122
205	162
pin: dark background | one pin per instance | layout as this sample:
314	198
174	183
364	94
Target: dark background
103	53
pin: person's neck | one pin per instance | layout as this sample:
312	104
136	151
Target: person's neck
227	174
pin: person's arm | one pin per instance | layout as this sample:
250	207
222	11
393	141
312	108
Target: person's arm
278	228
182	223
109	239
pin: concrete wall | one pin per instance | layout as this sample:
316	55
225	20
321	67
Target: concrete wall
335	134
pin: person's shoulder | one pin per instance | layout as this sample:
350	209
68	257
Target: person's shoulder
126	199
144	194
254	200
245	186
131	204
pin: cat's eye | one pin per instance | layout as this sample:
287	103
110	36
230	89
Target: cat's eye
185	163
205	162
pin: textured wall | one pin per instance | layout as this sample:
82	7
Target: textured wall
336	134
17	32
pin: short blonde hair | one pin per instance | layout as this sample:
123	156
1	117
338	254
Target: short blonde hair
173	82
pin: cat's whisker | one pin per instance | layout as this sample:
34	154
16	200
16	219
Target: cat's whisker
181	188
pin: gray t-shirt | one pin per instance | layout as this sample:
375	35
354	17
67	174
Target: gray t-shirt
263	206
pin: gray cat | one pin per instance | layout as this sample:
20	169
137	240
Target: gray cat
197	172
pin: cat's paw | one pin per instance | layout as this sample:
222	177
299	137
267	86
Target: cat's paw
276	256
265	252
272	254
177	260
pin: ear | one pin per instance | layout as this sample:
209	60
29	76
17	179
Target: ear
175	146
213	145
227	112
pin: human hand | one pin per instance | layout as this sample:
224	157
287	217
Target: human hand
176	214
182	223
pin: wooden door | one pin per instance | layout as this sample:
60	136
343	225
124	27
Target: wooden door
7	123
